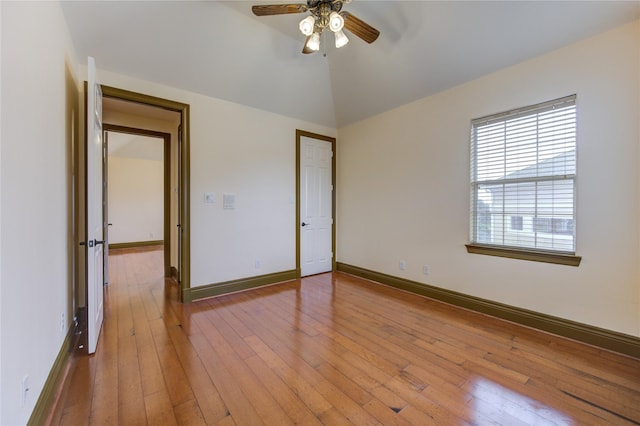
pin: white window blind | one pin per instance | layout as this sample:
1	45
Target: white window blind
523	173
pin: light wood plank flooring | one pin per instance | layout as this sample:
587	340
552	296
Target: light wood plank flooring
329	349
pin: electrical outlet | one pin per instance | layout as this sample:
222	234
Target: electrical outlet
425	269
258	264
403	265
62	322
24	389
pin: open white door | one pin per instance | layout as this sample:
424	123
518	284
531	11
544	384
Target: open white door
95	239
316	206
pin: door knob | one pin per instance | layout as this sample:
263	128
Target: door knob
92	243
305	224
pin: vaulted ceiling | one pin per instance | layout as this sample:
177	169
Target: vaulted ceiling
220	49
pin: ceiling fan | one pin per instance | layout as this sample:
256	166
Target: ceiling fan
323	14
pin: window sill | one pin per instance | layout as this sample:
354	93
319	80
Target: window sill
532	255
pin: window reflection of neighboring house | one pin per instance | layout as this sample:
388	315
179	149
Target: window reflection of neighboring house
533	207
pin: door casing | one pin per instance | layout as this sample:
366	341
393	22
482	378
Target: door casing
300	134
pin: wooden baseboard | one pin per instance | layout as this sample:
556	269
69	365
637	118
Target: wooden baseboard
218	289
135	244
603	338
52	385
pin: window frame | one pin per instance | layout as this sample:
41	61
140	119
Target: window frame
476	223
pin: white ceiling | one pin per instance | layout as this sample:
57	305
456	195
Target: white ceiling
220	49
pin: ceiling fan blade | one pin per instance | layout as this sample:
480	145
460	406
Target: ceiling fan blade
278	9
360	28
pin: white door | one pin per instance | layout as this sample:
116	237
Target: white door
95	240
316	206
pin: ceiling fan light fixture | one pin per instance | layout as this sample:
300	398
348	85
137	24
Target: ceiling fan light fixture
321	15
336	22
313	43
341	39
307	24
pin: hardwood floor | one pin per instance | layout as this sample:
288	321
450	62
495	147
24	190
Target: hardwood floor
329	349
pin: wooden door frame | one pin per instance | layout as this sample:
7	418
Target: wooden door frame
300	134
166	137
183	179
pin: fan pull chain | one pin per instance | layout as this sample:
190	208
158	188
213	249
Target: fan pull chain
324	44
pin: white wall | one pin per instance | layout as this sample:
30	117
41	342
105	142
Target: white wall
247	152
136	198
403	186
35	198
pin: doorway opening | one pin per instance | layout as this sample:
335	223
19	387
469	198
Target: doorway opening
139	200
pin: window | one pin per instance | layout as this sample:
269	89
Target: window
542	225
516	223
523	172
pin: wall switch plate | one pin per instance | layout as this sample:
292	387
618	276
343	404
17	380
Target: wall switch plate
209	197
